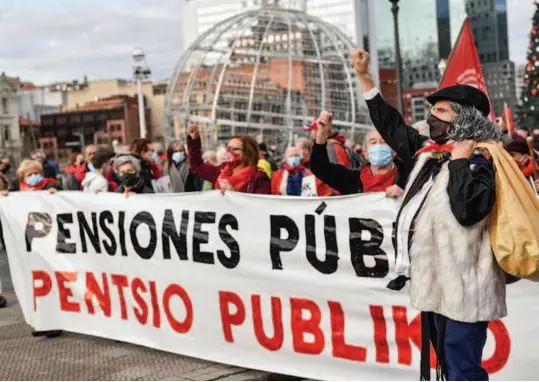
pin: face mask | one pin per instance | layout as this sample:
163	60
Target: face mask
129	179
33	180
155	156
438	129
293	161
91	167
380	155
178	157
232	158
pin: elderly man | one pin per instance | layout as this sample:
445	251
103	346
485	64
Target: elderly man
381	174
442	239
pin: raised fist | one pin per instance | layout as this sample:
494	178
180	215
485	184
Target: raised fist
359	59
325	123
192	130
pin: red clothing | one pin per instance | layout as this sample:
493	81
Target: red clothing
528	170
277	179
71	169
337	152
259	182
81	171
155	172
377	183
40	186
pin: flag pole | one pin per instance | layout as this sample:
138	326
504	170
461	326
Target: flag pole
453	49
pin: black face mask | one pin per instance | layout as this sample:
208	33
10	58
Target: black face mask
128	179
438	129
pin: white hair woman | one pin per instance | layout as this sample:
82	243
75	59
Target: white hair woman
294	179
30	177
127	168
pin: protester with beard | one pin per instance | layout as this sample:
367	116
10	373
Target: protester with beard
519	150
239	173
294	179
82	169
128	169
443	222
141	149
177	167
382	174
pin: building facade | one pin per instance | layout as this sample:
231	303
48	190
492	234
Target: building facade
154	99
488	19
100	122
10	142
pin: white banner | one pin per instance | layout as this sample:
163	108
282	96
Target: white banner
288	285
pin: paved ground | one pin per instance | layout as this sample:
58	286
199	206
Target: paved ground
78	357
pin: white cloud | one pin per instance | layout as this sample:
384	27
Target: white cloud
91	38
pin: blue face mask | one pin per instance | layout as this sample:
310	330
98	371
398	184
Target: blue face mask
33	180
155	156
91	167
178	157
380	155
293	161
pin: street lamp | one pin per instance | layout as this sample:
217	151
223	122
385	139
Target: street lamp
398	63
141	72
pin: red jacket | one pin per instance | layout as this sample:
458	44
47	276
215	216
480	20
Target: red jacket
337	152
258	184
277	179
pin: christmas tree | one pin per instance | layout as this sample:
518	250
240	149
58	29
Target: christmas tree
529	111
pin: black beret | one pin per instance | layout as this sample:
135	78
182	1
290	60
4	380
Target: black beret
517	145
463	95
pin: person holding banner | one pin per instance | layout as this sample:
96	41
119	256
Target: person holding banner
382	174
442	241
293	179
240	172
127	167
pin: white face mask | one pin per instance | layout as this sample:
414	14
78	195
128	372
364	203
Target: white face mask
178	157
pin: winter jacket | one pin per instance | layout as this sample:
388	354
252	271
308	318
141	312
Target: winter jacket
94	182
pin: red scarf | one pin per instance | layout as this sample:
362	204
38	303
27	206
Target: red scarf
528	170
38	187
238	181
434	147
294	170
377	183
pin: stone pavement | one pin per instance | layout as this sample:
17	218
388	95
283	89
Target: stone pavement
79	357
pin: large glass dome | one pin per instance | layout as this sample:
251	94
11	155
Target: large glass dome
268	73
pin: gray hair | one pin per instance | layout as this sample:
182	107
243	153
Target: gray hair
305	143
123	159
470	123
208	154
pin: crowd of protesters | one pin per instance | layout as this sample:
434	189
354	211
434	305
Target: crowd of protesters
322	163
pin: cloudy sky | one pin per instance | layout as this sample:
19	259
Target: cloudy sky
53	40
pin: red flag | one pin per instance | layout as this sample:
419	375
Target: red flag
508	116
463	66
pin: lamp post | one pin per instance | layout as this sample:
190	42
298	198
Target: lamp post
141	72
398	63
